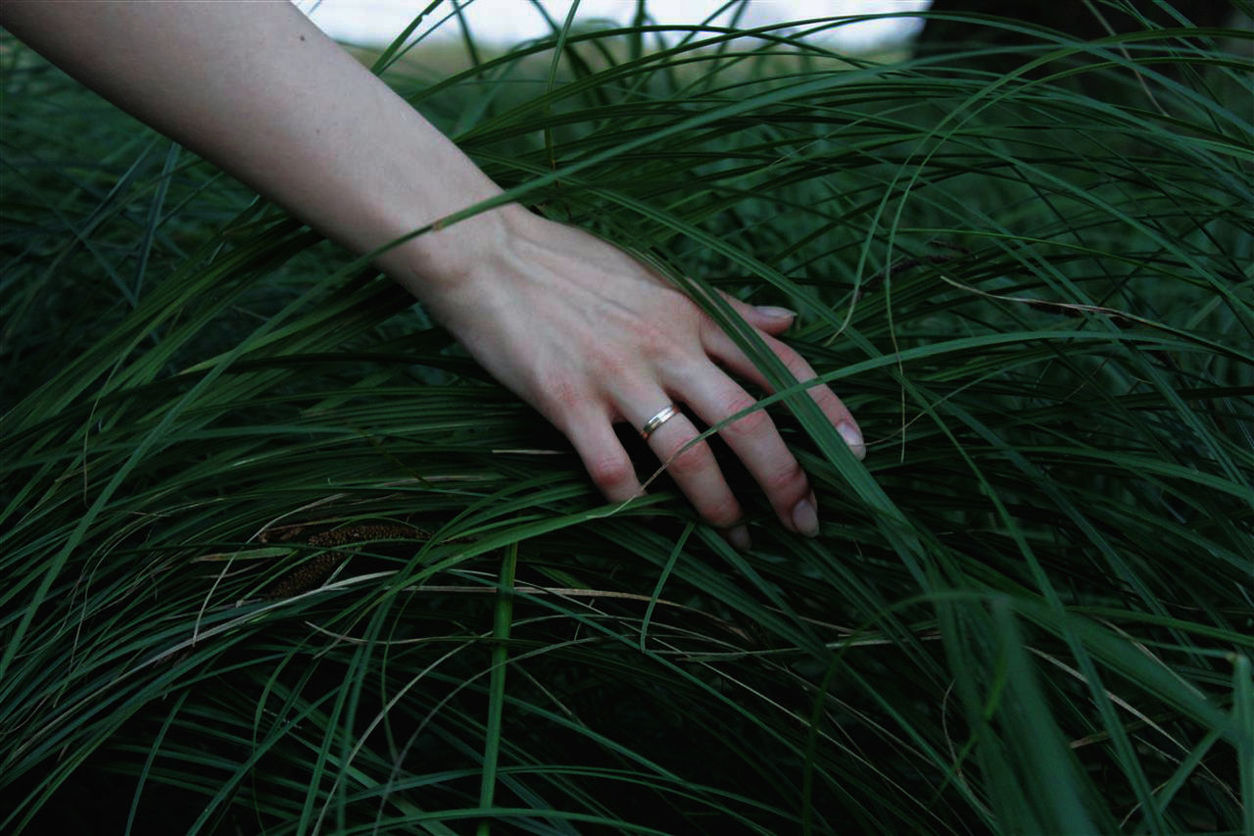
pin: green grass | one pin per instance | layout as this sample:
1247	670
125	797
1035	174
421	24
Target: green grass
1030	610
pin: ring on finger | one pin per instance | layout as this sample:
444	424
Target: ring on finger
664	415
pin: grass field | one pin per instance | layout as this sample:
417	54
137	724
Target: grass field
279	558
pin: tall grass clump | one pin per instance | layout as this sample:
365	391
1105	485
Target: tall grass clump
277	557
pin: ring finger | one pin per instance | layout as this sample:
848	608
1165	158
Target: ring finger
691	465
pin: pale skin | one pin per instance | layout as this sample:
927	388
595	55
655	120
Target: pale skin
579	329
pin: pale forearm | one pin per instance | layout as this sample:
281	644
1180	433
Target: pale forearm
262	92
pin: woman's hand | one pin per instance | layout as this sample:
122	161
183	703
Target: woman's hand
589	336
576	327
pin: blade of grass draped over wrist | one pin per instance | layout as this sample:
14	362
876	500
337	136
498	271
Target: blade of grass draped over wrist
1029	608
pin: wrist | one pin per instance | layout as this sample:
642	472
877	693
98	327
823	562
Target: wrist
444	260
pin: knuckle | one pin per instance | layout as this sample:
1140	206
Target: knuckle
707	327
789	357
827	400
657	345
561	395
607	364
688	460
786	488
788	481
650	336
610	472
796	364
751	423
722	513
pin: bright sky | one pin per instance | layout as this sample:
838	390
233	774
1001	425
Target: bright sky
377	22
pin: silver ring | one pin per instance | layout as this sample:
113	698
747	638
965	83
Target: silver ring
658	420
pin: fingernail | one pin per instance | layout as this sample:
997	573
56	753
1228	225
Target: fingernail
773	312
853	438
805	517
739	538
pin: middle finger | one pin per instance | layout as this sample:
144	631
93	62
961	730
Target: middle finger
754	438
691	465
